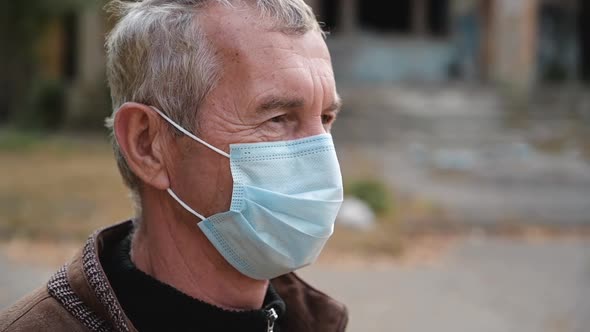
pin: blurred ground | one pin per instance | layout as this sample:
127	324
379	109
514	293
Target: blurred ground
18	279
473	283
58	188
479	284
482	160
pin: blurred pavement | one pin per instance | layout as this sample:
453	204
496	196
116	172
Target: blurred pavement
481	284
484	285
464	150
18	279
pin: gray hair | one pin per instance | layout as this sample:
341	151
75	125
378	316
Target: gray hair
158	55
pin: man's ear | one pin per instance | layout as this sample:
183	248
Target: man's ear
141	139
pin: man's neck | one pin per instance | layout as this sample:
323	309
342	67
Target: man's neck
181	256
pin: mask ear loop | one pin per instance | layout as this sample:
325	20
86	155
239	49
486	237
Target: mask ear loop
189	134
184	205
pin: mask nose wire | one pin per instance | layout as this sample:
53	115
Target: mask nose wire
189	134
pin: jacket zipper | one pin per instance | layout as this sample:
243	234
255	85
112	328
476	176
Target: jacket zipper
271	317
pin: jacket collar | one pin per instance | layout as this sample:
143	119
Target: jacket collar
83	288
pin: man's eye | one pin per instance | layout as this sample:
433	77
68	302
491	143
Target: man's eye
279	118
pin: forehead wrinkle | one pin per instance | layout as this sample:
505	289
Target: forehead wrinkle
293	51
327	74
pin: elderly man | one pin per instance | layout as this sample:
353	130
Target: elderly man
222	114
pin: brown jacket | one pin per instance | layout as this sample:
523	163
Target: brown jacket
79	298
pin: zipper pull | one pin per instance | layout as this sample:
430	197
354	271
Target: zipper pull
271	317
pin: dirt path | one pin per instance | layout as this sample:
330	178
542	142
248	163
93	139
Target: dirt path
480	284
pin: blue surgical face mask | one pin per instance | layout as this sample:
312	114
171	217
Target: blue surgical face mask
285	199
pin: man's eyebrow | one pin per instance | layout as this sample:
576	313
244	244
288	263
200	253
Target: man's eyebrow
336	106
285	103
278	103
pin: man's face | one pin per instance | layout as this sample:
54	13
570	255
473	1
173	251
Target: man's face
273	87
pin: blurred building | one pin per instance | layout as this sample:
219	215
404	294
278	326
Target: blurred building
55	66
72	47
72	51
519	42
513	41
403	40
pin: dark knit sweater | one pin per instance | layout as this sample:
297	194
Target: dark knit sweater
155	306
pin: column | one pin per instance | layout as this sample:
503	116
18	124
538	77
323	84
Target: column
515	42
348	15
419	15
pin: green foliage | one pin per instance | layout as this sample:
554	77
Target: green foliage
18	140
26	18
372	192
21	26
554	72
44	107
